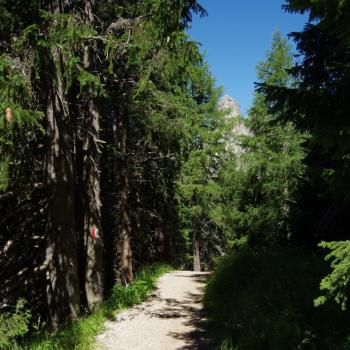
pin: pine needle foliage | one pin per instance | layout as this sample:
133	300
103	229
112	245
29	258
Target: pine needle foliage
336	284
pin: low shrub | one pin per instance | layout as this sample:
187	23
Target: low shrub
14	325
265	301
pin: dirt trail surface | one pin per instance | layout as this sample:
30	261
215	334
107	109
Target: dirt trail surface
172	319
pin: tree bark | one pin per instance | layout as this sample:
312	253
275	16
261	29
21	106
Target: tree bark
125	268
195	242
160	235
93	240
61	253
109	192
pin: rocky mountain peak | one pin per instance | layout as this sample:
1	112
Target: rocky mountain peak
232	113
228	103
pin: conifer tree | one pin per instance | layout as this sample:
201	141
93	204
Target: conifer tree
265	184
319	104
198	186
102	94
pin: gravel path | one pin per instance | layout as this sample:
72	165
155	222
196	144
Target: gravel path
172	319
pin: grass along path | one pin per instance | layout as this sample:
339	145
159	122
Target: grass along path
172	319
81	335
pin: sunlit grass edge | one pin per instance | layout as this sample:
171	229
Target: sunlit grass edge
81	335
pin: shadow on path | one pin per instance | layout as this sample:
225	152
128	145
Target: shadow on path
191	311
173	319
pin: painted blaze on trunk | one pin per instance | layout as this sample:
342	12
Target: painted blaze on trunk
93	236
94	274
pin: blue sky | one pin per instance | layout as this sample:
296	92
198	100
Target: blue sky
236	35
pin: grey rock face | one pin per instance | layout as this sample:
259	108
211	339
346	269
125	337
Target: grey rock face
231	105
232	138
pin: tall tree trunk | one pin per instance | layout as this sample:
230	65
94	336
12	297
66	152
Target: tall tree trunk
160	235
109	192
195	243
93	240
125	272
61	253
286	209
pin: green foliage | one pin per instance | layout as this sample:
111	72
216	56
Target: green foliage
199	191
143	74
147	77
16	94
180	10
265	301
92	82
4	168
320	105
81	335
124	297
67	33
336	284
260	185
279	59
270	179
14	325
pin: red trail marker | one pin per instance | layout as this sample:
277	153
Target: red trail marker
93	232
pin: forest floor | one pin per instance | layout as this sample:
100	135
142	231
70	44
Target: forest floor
173	318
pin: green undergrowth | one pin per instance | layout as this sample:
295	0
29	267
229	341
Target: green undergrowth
14	324
81	335
266	301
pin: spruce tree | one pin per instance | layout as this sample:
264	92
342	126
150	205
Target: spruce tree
265	179
319	104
